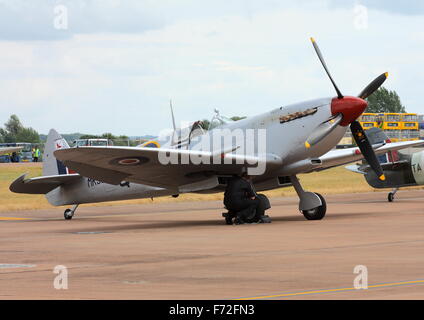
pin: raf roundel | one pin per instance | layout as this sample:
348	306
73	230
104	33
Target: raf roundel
129	161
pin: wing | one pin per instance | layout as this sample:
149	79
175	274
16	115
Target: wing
364	168
160	167
355	168
340	157
41	185
9	150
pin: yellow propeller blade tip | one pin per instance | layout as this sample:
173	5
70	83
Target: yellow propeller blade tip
382	177
387	74
312	39
307	145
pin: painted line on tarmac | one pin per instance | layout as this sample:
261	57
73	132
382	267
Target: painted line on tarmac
11	265
13	219
380	285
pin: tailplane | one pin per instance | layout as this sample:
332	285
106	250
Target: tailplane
54	175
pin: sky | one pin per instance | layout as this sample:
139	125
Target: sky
97	66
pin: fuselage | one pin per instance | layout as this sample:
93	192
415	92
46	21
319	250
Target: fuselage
87	190
407	171
286	128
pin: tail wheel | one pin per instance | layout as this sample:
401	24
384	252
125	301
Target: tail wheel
390	197
68	214
316	213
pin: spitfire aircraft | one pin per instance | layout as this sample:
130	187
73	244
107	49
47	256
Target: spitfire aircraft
402	169
299	138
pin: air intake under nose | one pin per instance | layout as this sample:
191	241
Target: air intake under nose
350	107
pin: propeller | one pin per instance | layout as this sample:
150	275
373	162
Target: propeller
350	108
321	58
373	86
366	149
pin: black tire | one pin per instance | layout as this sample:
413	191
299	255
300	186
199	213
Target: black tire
68	214
228	220
390	197
317	213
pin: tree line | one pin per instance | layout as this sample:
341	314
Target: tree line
14	131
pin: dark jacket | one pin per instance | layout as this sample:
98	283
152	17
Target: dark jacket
238	190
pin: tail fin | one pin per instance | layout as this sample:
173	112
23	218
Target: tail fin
52	166
376	136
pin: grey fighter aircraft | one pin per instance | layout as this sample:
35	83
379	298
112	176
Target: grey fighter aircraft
402	169
299	138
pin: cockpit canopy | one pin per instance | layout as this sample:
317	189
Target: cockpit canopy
182	136
218	120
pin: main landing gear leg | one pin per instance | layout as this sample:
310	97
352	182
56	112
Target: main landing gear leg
69	213
312	205
391	195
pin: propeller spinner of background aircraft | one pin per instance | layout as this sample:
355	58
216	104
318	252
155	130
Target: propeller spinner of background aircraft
402	169
299	139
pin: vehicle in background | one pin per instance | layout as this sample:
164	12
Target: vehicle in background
93	143
368	120
410	128
397	126
24	155
391	125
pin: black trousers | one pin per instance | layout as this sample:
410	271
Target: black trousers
244	209
249	210
263	205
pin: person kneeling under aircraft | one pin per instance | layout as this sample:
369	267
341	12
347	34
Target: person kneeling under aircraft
242	202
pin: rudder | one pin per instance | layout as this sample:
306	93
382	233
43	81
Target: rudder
52	166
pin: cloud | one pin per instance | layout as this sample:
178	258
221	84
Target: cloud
242	57
35	20
24	20
409	7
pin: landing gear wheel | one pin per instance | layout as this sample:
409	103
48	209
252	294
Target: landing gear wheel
316	213
68	214
390	197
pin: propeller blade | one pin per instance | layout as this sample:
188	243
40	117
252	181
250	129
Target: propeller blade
318	51
322	131
373	86
366	149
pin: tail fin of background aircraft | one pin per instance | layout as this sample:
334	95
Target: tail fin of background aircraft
377	136
52	166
